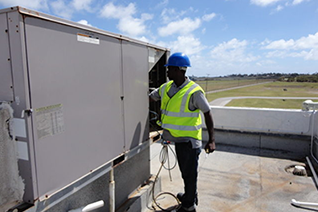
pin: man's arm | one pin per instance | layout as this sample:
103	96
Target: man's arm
198	101
154	95
210	146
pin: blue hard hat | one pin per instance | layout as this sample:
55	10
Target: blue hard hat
178	59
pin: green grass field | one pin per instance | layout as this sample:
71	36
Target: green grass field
213	85
271	89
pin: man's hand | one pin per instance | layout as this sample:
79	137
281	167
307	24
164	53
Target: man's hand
210	147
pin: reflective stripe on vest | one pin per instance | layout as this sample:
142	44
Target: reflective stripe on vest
183	106
184	128
175	114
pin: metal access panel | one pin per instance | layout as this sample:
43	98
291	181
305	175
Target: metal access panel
135	78
75	87
6	91
138	62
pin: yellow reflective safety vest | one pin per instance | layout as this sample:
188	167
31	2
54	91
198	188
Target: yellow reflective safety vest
175	114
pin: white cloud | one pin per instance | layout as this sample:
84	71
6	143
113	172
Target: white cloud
34	4
187	44
127	23
182	27
277	53
61	9
82	4
118	12
304	47
264	3
66	10
312	55
131	26
265	62
311	41
163	3
144	39
281	44
295	2
232	51
307	55
84	22
279	8
169	15
208	17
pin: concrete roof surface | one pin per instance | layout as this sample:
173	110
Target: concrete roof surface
241	179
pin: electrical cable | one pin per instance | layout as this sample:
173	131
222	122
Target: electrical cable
164	157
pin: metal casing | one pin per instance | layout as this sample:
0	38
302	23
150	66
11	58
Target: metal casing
79	93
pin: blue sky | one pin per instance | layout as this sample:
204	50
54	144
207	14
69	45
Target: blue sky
221	37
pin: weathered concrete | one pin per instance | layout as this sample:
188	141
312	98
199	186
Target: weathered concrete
240	179
296	145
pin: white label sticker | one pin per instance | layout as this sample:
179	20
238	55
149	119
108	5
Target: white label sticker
19	127
87	38
49	120
151	59
22	150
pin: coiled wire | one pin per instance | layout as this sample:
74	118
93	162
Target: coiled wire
164	158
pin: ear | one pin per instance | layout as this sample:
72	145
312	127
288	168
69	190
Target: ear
182	72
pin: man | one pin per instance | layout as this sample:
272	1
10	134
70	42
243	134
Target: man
181	102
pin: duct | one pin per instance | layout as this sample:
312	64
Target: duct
11	186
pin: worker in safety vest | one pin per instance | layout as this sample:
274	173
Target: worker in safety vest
181	103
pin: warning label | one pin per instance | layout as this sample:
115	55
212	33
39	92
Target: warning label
87	38
49	120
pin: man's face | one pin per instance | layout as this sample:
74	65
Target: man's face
172	72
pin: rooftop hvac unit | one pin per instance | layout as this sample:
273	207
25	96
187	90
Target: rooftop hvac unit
79	95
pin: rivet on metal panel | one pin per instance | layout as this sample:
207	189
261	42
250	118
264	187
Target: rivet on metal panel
6	31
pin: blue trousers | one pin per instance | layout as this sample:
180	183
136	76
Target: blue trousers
188	164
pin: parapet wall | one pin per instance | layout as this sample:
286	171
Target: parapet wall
277	121
275	129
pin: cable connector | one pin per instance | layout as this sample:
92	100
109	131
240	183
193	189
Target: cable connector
166	142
